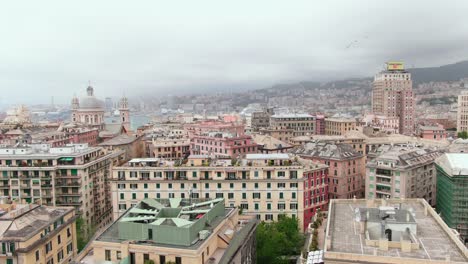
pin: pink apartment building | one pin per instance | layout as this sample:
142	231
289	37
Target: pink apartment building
347	167
213	126
432	132
222	144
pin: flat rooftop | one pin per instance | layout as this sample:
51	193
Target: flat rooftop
435	240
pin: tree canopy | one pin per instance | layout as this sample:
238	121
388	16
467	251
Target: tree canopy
278	240
463	135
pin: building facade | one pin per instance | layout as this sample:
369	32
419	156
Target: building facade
462	114
74	175
37	234
339	126
402	172
264	185
346	167
452	190
260	119
301	124
432	132
392	96
170	148
222	144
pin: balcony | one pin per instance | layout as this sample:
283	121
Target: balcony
70	202
67	183
46	185
60	193
67	176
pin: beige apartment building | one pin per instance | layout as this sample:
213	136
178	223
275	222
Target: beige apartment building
462	117
31	233
301	124
402	172
170	148
263	185
74	175
183	231
339	126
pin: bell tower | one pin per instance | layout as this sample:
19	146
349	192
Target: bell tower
124	113
75	104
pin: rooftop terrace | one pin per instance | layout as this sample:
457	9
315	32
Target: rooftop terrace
344	241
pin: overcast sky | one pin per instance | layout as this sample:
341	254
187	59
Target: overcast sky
135	47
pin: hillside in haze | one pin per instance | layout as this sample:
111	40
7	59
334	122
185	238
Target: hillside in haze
450	72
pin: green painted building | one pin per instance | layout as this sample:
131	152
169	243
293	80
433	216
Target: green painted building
452	191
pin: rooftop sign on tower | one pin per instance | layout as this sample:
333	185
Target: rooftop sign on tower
395	66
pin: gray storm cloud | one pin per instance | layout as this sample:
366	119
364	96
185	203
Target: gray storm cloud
54	47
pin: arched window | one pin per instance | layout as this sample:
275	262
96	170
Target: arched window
86	119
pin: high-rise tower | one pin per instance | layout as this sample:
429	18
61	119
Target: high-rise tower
392	96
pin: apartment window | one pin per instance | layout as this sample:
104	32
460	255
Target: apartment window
269	206
244	196
207	185
245	206
171	195
293	185
293	206
194	174
48	247
268	185
293	195
182	186
119	255
50	261
244	185
268	195
256	185
60	256
158	195
281	174
231	185
256	206
169	186
70	248
68	232
133	196
122	207
158	185
255	173
157	174
59	239
145	195
269	217
122	196
281	195
281	206
145	186
121	186
281	185
133	186
219	195
194	185
145	257
230	195
219	185
133	174
107	255
37	255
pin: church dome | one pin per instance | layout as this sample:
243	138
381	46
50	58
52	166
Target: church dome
91	102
